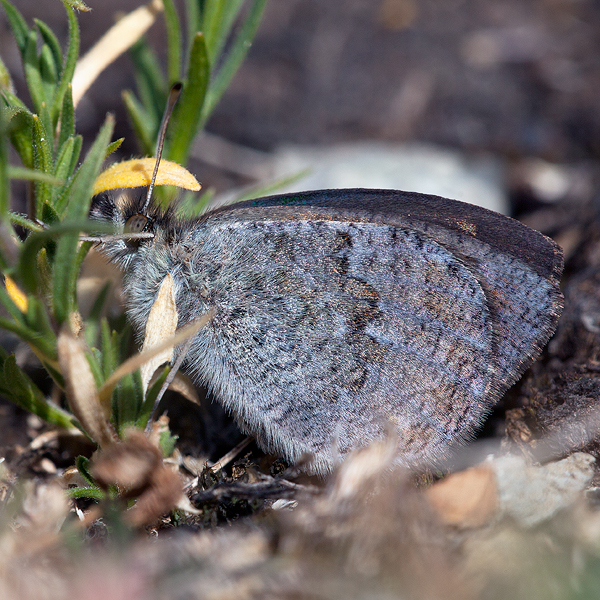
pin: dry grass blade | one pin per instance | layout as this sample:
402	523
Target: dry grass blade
135	362
112	44
182	385
227	458
81	390
161	325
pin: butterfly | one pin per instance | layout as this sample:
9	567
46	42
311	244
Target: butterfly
341	315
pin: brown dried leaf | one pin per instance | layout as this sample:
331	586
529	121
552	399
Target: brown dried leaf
136	467
161	325
81	389
76	323
135	362
466	499
183	386
129	465
163	495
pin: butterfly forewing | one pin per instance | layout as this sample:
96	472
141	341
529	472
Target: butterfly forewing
341	314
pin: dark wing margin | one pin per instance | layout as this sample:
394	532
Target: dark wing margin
407	209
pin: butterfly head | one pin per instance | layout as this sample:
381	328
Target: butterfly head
135	225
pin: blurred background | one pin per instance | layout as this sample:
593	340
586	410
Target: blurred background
514	82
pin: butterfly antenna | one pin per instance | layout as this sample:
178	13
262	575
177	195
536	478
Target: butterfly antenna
174	93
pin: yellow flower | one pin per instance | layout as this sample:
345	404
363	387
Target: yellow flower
16	294
138	173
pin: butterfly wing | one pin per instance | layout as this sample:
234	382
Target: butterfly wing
342	312
518	267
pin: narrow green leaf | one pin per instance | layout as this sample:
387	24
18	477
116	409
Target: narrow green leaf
236	55
124	341
83	466
44	269
94	360
217	25
127	403
114	146
45	350
93	493
69	64
92	322
46	119
5	80
12	102
31	66
212	13
33	175
193	19
76	152
42	161
17	24
48	71
67	118
22	221
138	395
75	265
166	442
20	132
150	82
80	192
141	123
148	406
110	360
173	42
108	346
186	116
65	267
27	335
97	355
35	241
4	168
19	388
52	42
36	319
49	215
62	171
65	275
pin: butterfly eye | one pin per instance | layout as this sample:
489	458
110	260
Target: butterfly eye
136	224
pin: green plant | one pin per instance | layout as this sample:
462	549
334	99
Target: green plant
41	270
45	265
207	70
